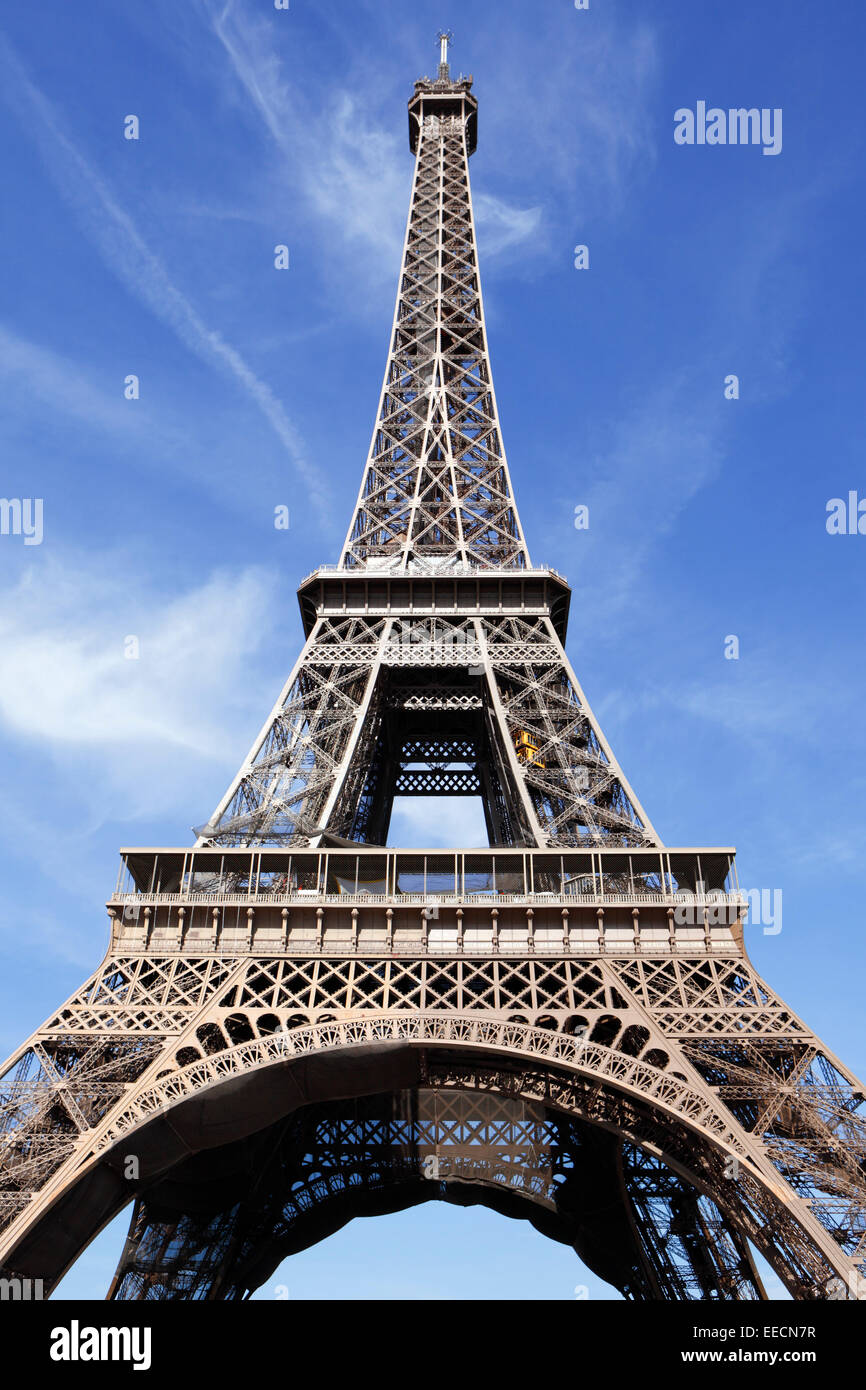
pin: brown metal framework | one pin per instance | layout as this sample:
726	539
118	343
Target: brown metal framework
294	1025
297	1182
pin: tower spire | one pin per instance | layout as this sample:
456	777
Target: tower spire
436	489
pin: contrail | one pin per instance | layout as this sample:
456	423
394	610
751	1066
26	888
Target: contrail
127	254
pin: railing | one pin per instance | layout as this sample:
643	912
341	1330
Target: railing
421	571
311	897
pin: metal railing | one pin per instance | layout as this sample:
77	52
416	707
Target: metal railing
423	572
491	898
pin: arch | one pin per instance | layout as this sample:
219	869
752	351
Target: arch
235	1092
296	1183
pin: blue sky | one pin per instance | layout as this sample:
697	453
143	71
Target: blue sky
258	388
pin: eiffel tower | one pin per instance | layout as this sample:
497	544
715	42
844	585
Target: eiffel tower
296	1024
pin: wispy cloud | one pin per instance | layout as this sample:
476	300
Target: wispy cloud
587	130
502	226
43	392
763	701
51	378
583	134
352	170
428	822
141	724
125	251
92	738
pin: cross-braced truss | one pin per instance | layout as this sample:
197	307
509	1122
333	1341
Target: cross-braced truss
339	743
436	483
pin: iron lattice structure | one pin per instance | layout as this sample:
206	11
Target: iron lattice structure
295	1025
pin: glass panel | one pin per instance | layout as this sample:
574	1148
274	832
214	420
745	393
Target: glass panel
577	874
440	873
274	880
547	873
616	873
356	873
478	873
304	873
410	873
684	872
507	871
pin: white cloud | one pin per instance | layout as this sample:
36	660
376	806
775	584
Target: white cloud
57	381
428	822
143	727
354	172
589	125
92	739
362	181
501	226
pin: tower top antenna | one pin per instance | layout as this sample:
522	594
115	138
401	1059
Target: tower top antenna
443	38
